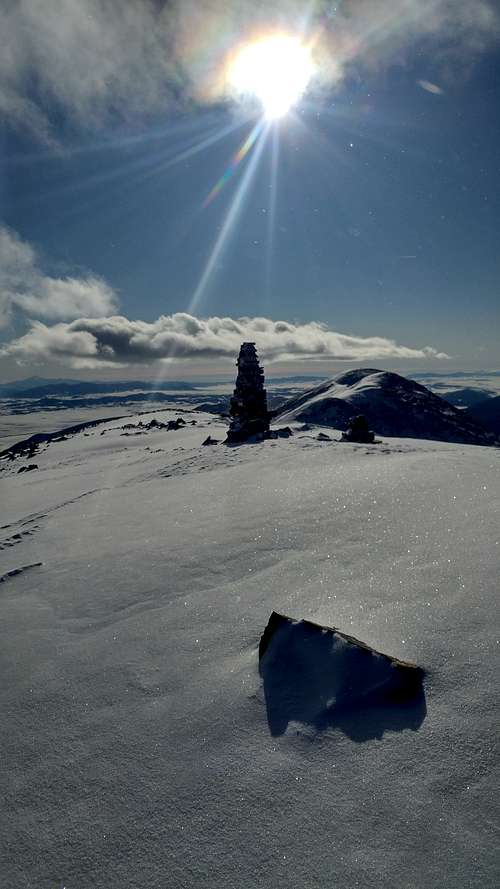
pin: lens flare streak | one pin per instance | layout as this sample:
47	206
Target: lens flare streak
271	215
235	161
232	213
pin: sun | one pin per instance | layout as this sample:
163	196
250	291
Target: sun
276	69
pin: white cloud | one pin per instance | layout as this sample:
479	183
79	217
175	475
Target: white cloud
95	59
25	287
117	341
90	58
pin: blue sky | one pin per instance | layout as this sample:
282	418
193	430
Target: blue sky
372	208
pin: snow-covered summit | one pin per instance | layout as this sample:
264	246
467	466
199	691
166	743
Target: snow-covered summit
392	404
143	741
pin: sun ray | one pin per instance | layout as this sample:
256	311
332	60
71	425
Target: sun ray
233	165
271	214
230	220
139	169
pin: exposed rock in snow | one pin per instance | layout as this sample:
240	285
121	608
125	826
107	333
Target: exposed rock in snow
15	572
392	405
210	441
358	430
173	425
283	432
320	676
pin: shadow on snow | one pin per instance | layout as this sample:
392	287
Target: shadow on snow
319	677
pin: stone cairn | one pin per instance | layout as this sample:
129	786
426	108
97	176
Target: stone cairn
248	409
359	431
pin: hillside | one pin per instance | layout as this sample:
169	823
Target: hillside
392	404
487	413
467	397
140	744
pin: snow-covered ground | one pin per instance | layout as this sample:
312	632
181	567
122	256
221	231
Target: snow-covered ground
136	747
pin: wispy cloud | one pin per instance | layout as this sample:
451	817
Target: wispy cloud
94	60
95	342
24	286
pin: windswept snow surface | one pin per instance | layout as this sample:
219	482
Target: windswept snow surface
136	747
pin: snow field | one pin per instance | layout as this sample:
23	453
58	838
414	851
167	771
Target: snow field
136	748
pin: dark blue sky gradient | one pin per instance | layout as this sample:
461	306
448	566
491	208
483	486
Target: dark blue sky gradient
387	212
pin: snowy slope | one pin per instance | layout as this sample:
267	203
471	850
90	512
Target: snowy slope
392	404
136	747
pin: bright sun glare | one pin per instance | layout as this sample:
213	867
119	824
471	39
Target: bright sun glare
275	69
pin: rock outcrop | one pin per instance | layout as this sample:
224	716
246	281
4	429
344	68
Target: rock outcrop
358	430
321	677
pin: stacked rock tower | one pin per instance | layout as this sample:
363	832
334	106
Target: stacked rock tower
248	409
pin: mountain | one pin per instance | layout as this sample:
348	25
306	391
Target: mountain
487	413
467	397
392	404
38	387
17	387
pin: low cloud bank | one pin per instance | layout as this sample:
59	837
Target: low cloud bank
25	287
117	341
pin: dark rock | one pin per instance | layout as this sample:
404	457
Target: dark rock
321	436
284	432
210	441
358	431
173	425
327	679
29	468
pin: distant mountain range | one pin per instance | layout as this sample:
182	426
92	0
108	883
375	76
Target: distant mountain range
392	404
467	397
38	387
